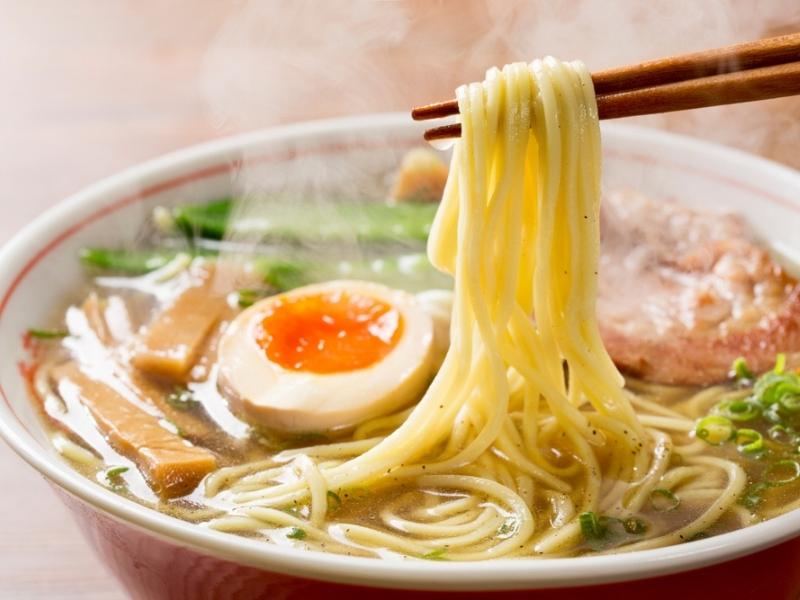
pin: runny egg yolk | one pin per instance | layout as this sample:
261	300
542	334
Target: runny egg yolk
331	332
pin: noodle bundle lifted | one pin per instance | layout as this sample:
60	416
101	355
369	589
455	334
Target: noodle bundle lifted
499	426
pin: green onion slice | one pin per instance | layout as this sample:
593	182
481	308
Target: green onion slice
297	534
749	441
437	554
506	528
780	364
591	527
753	495
740	370
334	501
738	410
248	297
114	472
782	472
664	500
715	429
790	402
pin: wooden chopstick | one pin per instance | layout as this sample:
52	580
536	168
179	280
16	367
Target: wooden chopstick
739	73
729	59
728	88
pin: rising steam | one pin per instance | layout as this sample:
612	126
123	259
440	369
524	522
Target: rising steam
275	62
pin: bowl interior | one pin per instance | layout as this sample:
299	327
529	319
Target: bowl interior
40	273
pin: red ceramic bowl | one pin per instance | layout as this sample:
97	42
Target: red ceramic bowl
155	556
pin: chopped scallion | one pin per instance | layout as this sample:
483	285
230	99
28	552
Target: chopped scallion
591	527
738	410
506	528
437	554
334	501
740	370
753	495
715	429
114	472
664	500
790	402
749	441
782	472
297	534
246	298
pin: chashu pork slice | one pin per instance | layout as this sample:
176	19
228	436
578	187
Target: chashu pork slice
684	292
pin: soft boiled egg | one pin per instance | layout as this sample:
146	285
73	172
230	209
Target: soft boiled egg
327	356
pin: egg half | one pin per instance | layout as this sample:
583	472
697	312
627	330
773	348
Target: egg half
327	356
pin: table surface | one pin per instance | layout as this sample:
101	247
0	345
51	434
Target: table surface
93	87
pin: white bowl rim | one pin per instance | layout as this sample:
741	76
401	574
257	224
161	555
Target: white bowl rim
498	574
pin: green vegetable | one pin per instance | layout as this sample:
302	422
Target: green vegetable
437	554
209	220
738	410
740	370
506	528
47	334
782	472
591	526
181	399
413	270
598	531
790	402
284	274
753	495
715	429
334	501
114	472
131	262
749	441
664	500
113	479
294	221
777	389
246	297
297	534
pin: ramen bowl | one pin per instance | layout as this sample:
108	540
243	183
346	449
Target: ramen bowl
157	556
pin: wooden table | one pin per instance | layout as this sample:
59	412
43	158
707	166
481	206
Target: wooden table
91	87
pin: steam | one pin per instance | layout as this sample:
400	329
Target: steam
275	62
